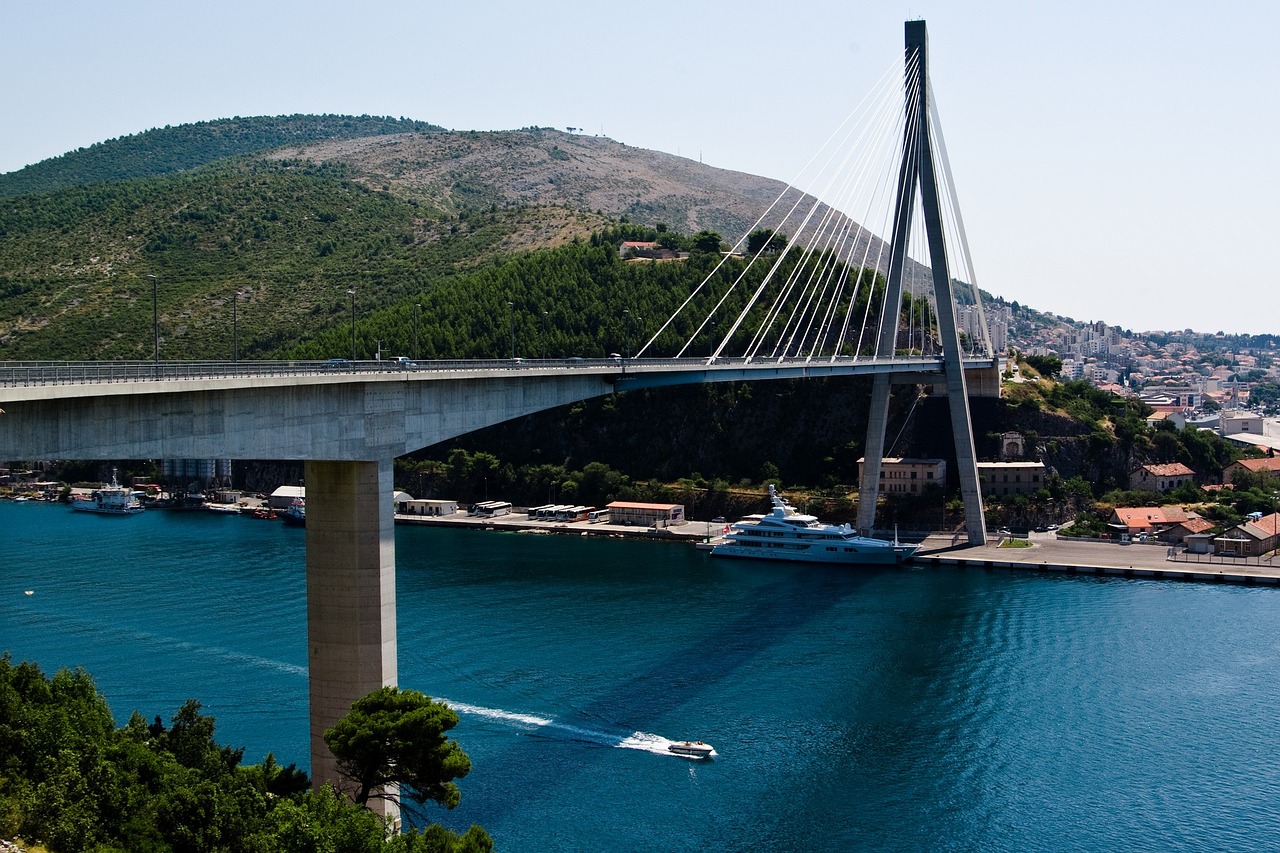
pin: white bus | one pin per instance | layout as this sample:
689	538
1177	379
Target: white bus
573	513
489	509
598	516
548	513
535	511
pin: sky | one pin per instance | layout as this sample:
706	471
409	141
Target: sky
1112	159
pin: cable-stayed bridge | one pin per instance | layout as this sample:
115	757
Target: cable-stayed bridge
863	273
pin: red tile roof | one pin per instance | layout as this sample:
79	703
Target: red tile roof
1169	469
1145	517
1270	464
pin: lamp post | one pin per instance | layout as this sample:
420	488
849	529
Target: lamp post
155	323
545	315
626	345
235	330
352	294
416	309
511	314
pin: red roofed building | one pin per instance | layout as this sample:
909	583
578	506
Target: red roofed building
1133	520
646	514
1251	539
1174	535
1162	477
1270	466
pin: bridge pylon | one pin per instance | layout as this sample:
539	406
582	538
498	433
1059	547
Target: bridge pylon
917	173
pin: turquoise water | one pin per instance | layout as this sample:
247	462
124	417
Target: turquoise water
916	709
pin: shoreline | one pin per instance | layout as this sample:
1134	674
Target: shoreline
1046	554
1050	554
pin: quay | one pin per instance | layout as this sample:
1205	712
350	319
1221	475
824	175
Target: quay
1048	553
517	522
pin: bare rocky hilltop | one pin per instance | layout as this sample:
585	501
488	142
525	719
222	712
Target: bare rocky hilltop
457	170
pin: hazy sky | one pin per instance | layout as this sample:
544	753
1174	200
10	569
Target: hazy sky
1113	159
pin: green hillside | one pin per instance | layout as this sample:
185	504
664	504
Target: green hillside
168	150
290	238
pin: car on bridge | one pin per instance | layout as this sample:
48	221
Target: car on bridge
403	362
337	364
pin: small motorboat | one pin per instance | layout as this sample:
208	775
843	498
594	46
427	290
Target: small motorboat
691	748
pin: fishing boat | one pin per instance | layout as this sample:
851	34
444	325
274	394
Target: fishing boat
787	534
296	514
114	499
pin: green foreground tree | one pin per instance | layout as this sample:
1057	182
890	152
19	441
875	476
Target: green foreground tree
396	737
71	782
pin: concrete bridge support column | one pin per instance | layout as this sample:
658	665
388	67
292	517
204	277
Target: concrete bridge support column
872	459
351	595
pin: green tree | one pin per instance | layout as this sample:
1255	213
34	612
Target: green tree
1047	366
397	737
706	241
766	240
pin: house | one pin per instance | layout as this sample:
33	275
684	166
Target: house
636	248
900	475
1129	521
1252	538
1179	533
1161	477
1011	478
1269	466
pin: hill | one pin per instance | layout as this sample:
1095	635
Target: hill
540	166
287	232
168	150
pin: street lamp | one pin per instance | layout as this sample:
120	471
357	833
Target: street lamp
626	345
352	294
511	312
155	322
545	315
235	330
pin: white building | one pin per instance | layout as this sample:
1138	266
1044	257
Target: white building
1236	423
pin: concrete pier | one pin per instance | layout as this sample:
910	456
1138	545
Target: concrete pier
351	595
1050	554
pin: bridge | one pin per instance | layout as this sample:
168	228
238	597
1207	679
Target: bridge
348	420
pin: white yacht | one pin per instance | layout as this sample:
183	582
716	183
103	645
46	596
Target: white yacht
114	499
787	534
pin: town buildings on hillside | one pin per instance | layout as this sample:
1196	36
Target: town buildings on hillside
1228	383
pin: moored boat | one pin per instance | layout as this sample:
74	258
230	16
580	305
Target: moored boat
296	514
114	499
787	534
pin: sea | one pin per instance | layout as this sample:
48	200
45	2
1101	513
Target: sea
907	709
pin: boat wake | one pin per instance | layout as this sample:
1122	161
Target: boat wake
643	741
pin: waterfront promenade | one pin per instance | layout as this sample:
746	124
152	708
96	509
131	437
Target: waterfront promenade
519	522
1074	556
1046	553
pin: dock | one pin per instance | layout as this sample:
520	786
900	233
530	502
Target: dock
518	522
1048	553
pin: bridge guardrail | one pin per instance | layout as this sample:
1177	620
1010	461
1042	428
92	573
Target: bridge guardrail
29	373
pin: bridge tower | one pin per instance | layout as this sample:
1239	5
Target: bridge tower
917	173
